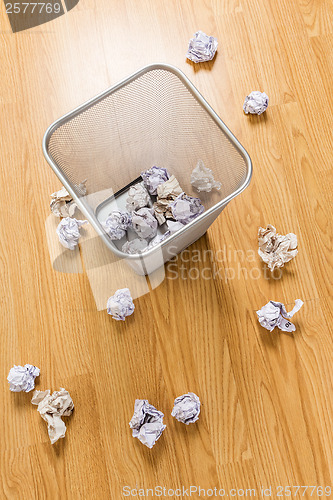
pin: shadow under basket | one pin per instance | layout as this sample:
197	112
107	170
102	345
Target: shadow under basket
153	117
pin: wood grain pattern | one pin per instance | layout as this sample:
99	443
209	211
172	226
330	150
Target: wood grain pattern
267	398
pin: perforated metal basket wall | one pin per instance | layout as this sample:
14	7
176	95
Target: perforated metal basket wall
154	117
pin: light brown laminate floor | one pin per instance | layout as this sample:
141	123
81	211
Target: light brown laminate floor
267	399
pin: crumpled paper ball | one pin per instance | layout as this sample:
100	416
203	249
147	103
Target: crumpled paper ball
202	178
138	197
134	246
186	208
166	193
153	177
120	304
51	408
275	314
22	378
144	223
186	408
201	47
62	204
117	224
146	423
68	232
276	249
255	103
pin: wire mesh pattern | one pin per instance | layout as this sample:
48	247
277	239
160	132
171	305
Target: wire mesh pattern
153	119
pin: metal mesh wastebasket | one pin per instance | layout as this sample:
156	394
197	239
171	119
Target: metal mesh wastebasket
154	117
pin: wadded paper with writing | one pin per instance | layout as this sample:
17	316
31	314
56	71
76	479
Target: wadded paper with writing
138	197
146	423
275	314
51	408
68	232
62	204
166	193
120	305
117	223
186	208
144	223
201	47
153	177
187	408
22	378
276	249
255	103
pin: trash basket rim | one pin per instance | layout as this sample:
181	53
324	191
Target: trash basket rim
87	104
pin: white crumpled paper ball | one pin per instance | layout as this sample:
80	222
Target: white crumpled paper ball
120	304
117	224
274	314
22	378
138	197
144	223
186	208
201	47
153	177
255	103
187	408
68	232
276	249
146	423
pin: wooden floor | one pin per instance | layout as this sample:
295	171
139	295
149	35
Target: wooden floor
267	399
